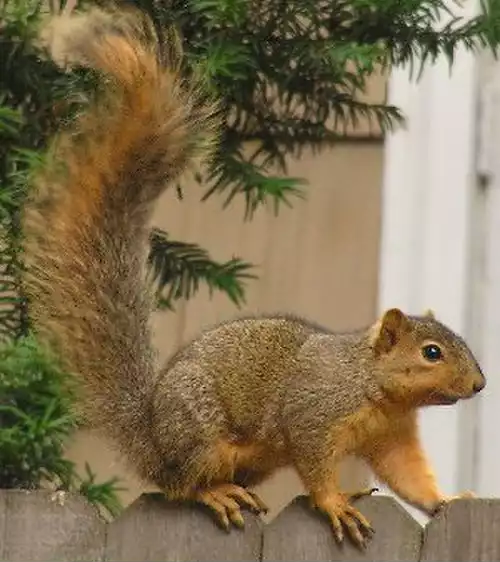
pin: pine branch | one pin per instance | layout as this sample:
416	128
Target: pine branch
232	175
290	73
179	267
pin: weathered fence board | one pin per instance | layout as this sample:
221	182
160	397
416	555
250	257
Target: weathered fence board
154	530
300	534
36	527
466	530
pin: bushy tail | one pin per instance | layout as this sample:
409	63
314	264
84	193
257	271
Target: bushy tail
86	223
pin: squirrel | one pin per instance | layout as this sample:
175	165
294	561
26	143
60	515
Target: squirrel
244	397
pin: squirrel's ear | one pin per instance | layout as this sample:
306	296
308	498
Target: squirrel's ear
429	314
388	330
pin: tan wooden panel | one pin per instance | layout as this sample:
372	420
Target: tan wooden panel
466	530
299	533
339	243
42	527
153	530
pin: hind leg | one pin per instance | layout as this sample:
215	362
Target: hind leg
202	461
207	477
233	467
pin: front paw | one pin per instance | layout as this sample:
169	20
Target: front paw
446	500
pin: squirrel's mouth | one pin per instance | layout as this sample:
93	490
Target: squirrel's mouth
444	400
440	399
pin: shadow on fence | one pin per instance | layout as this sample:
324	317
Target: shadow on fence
35	528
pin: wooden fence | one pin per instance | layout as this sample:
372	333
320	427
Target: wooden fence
35	526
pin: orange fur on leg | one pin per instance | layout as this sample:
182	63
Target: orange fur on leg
398	460
321	480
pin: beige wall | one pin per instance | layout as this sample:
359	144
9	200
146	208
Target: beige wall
319	259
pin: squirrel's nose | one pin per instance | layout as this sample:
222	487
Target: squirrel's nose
478	386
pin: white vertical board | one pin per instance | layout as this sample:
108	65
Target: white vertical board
488	449
427	217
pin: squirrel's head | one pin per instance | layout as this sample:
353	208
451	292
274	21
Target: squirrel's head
422	362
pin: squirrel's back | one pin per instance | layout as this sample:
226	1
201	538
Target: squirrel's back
250	362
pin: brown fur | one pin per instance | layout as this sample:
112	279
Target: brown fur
247	396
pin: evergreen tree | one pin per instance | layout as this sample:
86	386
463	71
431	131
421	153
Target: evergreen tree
290	74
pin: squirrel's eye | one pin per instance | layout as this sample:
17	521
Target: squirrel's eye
432	352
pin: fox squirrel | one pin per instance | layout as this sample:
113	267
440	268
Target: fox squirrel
249	395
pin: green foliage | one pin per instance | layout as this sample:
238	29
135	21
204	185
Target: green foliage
103	494
290	73
36	419
179	266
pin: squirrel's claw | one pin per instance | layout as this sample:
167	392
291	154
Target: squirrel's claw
343	516
226	500
445	501
261	506
337	527
362	493
358	526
